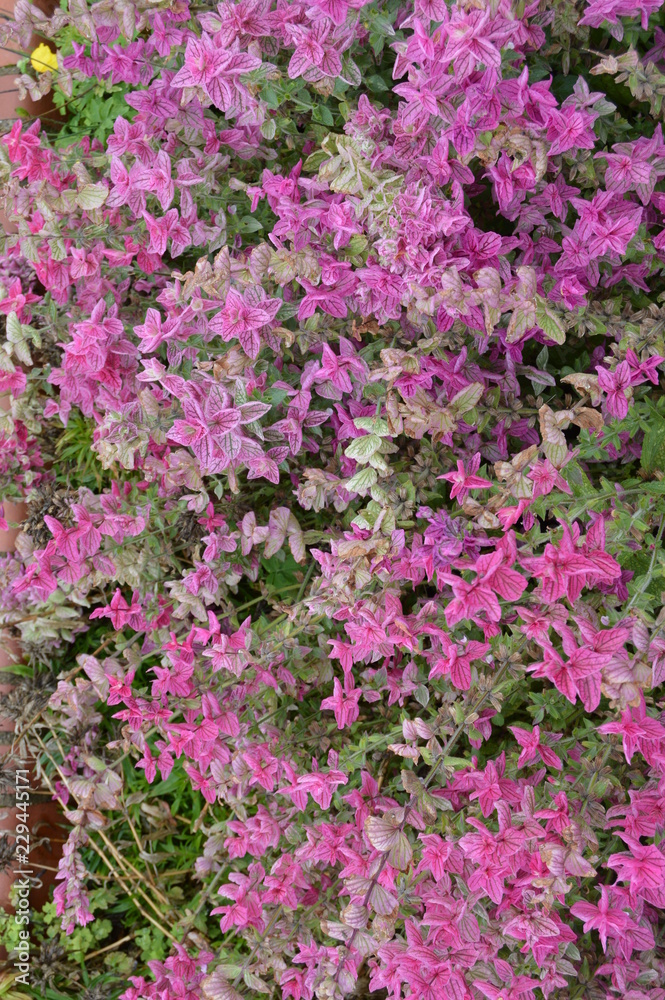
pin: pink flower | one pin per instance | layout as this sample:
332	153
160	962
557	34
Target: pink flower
246	909
321	785
643	868
149	764
494	578
120	688
13	382
490	785
312	50
344	702
570	128
243	317
465	479
457	661
636	733
282	885
616	385
533	748
439	856
120	612
16	300
201	783
642	371
330	298
338	369
519	988
608	921
568	676
545	478
598	11
214	69
564	569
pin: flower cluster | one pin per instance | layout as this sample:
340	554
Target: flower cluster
334	375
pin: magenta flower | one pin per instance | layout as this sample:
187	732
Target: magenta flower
478	600
570	128
457	660
643	868
330	298
519	988
465	479
616	385
636	733
243	317
609	921
532	748
344	702
545	478
206	62
120	612
578	676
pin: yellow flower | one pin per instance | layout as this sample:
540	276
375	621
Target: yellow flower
43	59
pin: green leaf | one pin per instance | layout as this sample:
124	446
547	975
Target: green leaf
362	482
466	399
382	26
653	448
271	97
254	982
357	244
549	321
18	669
638	563
350	72
92	196
323	115
377	41
522	318
248	224
401	853
363	448
315	159
455	762
421	694
578	480
14	333
376	83
375	425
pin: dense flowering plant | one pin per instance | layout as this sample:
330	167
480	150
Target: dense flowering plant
334	370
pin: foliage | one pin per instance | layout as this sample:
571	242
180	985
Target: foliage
335	349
